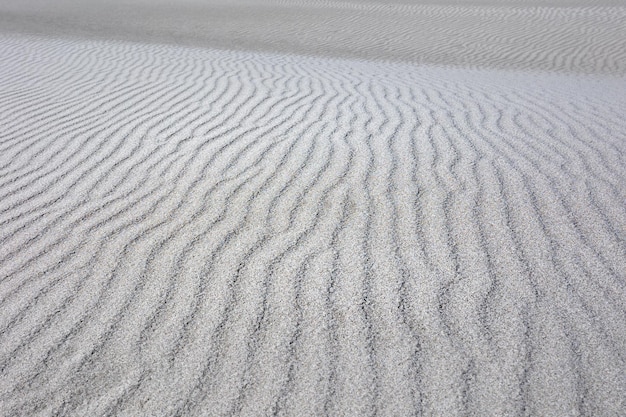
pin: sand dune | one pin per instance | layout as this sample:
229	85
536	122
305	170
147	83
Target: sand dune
192	231
506	34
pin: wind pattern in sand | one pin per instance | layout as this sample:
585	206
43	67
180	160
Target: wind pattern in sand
195	232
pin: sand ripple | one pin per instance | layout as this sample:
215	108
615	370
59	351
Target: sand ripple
195	232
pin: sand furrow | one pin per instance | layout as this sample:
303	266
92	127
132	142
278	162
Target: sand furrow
211	232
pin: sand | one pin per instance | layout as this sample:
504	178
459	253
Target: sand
334	227
554	35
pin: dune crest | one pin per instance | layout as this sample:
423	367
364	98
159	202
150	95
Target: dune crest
578	36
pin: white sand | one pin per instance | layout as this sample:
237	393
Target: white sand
510	34
195	231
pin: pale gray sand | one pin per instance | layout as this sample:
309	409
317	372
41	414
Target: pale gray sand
191	231
512	34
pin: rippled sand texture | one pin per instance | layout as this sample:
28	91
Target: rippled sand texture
511	34
195	232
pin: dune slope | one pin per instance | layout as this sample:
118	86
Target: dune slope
583	36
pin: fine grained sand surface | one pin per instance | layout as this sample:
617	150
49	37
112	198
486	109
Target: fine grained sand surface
195	231
509	34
